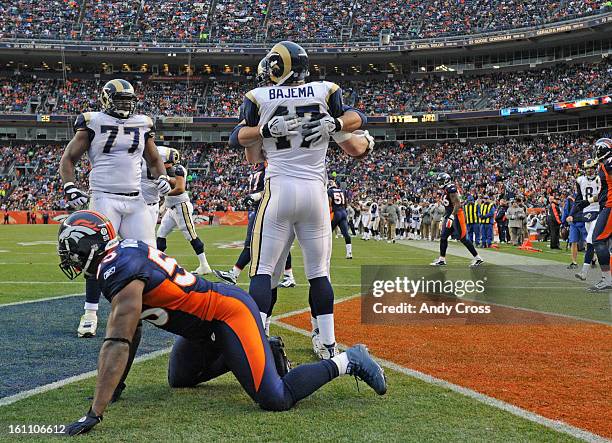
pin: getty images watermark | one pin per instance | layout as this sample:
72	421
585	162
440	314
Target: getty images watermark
418	294
407	294
456	294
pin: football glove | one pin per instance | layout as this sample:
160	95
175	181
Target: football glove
74	195
280	126
83	424
321	126
370	140
163	184
252	199
449	221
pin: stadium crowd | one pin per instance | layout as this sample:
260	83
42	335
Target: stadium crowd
532	169
246	21
376	96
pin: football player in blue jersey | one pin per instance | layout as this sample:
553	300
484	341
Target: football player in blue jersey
339	218
453	222
218	325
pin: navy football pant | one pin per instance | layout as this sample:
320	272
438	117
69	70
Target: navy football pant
237	348
339	219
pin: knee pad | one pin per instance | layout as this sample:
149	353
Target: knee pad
197	245
161	244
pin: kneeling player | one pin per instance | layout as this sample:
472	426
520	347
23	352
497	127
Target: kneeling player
219	324
179	213
454	222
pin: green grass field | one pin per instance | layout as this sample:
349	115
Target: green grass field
219	410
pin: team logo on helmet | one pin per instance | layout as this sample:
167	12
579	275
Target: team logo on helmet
286	62
118	98
603	148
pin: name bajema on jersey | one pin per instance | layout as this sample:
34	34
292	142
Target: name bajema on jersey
295	92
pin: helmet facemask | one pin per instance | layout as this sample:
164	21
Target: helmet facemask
119	104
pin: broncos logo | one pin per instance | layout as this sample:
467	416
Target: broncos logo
75	233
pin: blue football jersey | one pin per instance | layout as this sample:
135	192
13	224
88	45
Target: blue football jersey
173	299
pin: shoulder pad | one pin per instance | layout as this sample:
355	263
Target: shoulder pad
82	121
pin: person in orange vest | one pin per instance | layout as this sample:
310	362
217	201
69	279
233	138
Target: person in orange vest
553	217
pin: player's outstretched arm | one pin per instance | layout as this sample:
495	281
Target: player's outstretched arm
71	156
114	354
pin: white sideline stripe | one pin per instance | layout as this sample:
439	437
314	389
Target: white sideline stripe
58	384
555	425
40	299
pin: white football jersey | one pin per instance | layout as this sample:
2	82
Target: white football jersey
115	150
416	211
173	200
293	156
374	209
589	187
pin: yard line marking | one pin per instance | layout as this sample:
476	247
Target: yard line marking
556	425
58	384
40	299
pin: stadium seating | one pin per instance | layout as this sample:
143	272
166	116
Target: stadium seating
253	20
530	168
376	96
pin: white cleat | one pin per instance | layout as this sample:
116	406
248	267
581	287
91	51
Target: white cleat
227	276
202	270
349	256
476	262
287	282
88	325
438	262
317	346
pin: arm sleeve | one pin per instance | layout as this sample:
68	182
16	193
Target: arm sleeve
362	116
233	139
334	101
250	111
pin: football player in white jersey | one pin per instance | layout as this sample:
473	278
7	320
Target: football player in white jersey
148	185
365	217
115	141
586	208
374	223
290	124
179	213
399	231
415	220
